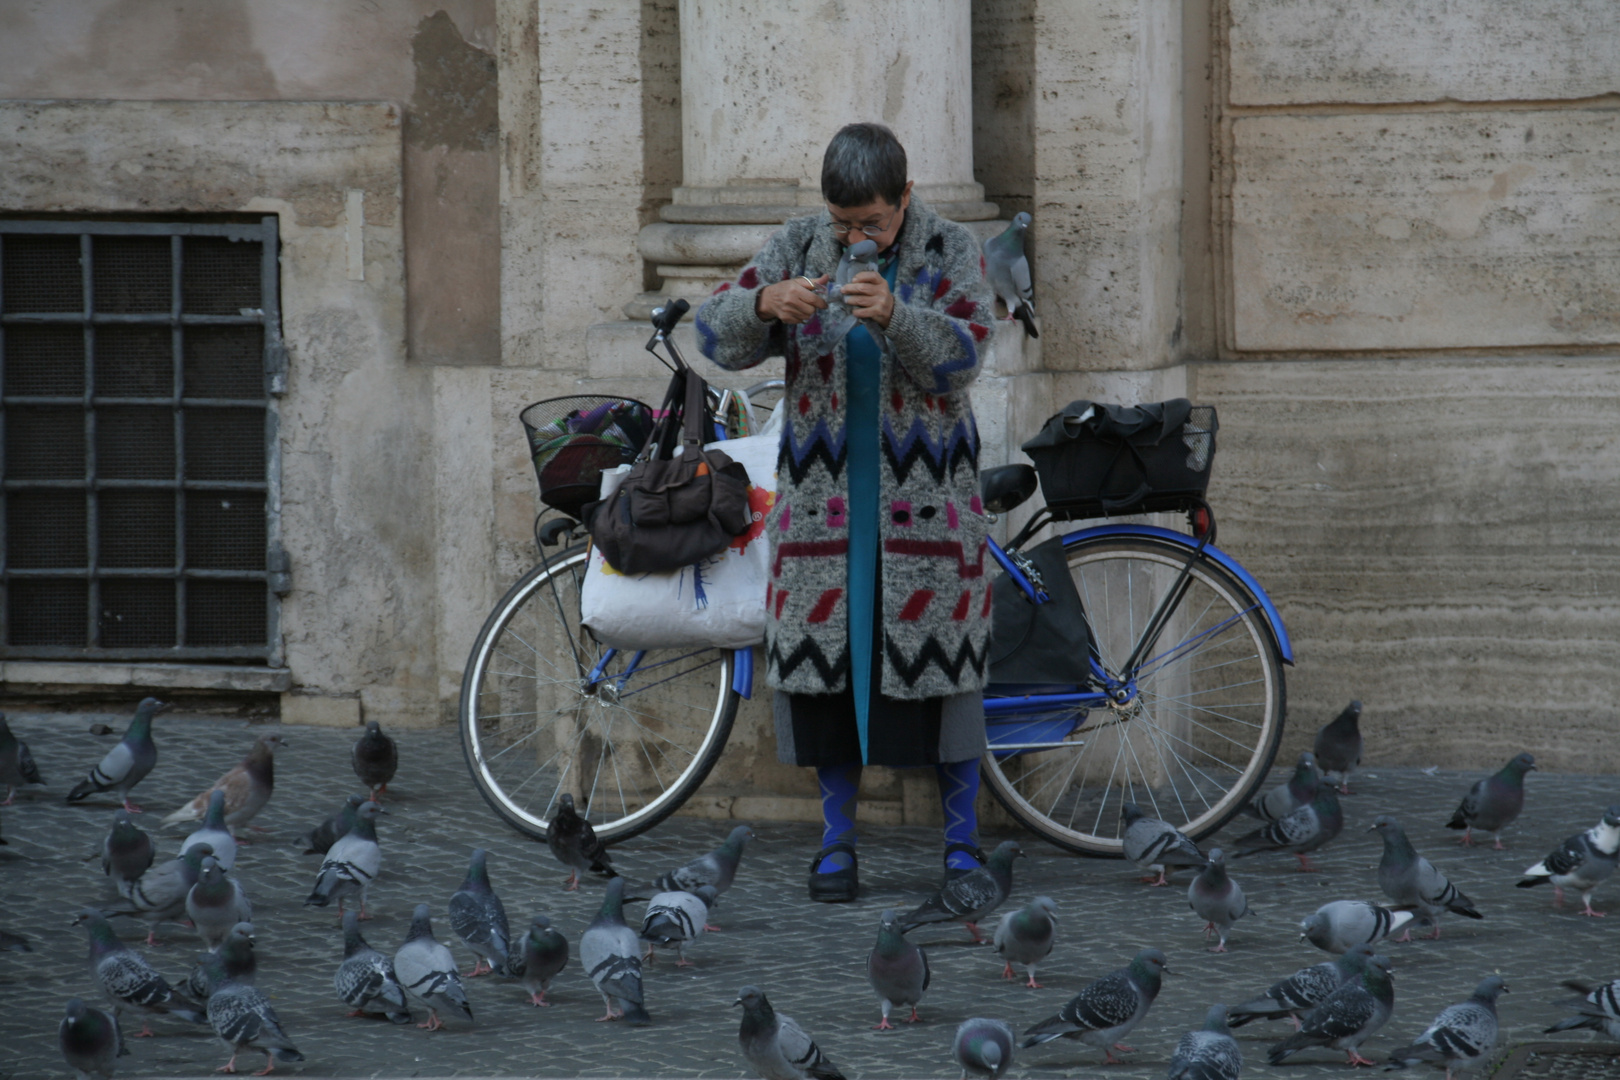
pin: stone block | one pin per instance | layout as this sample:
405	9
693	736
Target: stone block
1429	231
320	710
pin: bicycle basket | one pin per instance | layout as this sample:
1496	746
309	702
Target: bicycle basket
572	439
1108	460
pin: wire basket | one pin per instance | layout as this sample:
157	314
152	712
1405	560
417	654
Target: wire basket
572	439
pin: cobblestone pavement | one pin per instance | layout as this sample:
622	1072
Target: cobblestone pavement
809	958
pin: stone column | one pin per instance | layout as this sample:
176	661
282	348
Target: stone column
764	89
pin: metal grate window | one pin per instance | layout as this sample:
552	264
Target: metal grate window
139	469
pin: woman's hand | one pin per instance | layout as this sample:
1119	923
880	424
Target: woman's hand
868	296
792	301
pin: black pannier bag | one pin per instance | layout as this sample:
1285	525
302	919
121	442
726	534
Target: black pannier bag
572	439
1109	460
1040	644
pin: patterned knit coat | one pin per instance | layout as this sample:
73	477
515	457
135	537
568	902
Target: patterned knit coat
932	528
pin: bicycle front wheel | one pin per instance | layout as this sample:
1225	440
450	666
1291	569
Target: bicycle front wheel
546	709
1196	739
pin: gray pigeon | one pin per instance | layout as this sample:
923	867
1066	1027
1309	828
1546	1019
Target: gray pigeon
1299	833
214	833
971	897
1338	745
897	970
574	844
126	764
717	868
1462	1035
247	787
1025	937
126	977
242	1018
1154	844
1493	803
127	852
365	980
375	758
237	961
159	895
675	919
1346	1017
479	919
1581	863
611	956
1006	268
320	839
1302	991
351	865
1287	797
983	1047
1210	1053
216	903
545	953
1217	899
1342	924
428	972
838	320
1412	881
16	763
90	1040
775	1046
1105	1011
1598	1008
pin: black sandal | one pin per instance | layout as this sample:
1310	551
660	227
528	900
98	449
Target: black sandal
952	872
840	886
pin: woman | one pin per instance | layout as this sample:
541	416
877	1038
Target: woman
879	604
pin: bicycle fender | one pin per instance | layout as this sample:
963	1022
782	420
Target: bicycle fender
742	672
1273	620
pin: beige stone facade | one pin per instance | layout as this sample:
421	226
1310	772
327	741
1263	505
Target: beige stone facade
1382	239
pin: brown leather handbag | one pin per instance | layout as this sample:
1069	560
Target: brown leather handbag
672	511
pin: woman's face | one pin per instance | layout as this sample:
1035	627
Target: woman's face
878	214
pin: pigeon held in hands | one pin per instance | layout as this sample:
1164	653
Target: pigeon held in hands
1158	845
611	954
16	762
574	844
897	970
972	896
1006	268
1347	1017
90	1040
428	972
1581	863
1493	803
1462	1035
126	764
365	981
1106	1011
247	787
479	919
375	759
1025	937
545	953
1217	899
1413	882
1210	1053
776	1047
1339	744
1340	925
675	919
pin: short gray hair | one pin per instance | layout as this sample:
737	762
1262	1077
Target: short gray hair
863	162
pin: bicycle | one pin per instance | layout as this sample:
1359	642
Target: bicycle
1183	712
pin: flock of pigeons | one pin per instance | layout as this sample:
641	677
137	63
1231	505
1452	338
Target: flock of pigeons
1338	1003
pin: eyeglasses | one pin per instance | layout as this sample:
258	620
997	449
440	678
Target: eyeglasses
840	229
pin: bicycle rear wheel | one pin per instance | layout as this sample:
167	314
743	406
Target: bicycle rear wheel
1198	737
631	745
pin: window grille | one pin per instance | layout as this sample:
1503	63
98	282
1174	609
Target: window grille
139	462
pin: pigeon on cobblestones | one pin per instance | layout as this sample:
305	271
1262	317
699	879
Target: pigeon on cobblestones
1156	845
717	868
247	787
1287	797
242	1018
479	920
611	956
1412	881
675	919
237	961
1025	937
90	1040
574	843
159	895
127	852
126	764
897	970
1338	746
216	903
16	762
1581	863
1217	899
983	1047
375	759
545	953
1302	991
1106	1011
971	897
1462	1035
1006	269
1493	803
1299	833
1598	1008
1210	1053
1346	1017
428	972
1340	925
776	1047
351	865
126	977
321	838
214	833
365	980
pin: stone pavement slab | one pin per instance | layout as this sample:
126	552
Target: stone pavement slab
809	958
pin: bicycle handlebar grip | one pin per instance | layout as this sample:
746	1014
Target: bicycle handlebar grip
665	318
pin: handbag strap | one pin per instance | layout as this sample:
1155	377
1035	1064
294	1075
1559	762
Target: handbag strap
693	414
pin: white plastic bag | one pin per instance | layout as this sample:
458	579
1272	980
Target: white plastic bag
717	603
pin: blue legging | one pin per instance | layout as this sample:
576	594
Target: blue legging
958	792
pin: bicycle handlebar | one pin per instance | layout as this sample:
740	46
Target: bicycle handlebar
665	318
